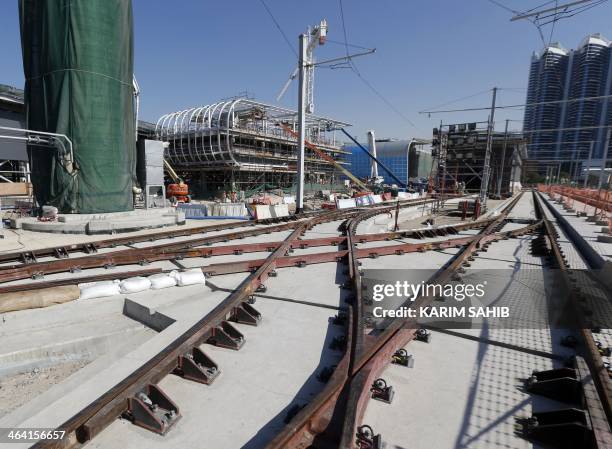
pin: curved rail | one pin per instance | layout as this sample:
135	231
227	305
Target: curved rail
333	415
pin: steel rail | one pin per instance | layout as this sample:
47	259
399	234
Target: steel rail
216	269
62	252
88	247
331	418
601	417
147	255
87	423
167	251
97	415
374	357
92	246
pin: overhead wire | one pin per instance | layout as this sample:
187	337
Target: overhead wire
279	28
514	106
356	71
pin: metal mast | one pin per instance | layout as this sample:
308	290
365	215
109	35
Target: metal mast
487	162
305	97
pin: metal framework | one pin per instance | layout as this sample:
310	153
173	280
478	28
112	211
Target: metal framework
461	158
240	136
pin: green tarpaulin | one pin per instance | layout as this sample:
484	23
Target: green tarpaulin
78	64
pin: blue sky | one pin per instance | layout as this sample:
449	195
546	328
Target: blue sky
429	52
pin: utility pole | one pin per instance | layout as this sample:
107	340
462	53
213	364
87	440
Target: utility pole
301	123
604	159
484	186
503	160
588	167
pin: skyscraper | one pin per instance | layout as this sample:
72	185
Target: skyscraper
557	75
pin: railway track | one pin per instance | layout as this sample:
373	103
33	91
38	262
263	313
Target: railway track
138	396
333	418
32	268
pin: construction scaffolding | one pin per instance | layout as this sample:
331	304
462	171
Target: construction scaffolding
241	144
460	154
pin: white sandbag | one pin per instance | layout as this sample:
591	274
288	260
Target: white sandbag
90	290
134	285
189	277
162	280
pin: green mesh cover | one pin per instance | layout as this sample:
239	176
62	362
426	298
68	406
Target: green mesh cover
78	64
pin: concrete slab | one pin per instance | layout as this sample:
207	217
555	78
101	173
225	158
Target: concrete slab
109	223
76	397
246	405
590	231
460	394
22	240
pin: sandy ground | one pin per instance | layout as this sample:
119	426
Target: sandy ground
21	388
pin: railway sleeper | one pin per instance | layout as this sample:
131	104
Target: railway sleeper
197	366
246	314
153	410
226	336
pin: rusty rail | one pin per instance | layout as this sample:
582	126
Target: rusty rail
214	328
331	418
599	408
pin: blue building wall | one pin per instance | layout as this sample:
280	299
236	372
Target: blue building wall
360	164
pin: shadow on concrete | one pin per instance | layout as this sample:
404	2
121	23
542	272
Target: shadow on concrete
312	386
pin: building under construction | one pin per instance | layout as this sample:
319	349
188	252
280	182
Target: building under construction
460	152
240	145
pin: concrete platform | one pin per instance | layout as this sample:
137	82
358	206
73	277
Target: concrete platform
460	394
110	223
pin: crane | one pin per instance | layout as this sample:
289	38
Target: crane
316	36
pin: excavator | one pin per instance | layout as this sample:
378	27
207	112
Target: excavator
178	191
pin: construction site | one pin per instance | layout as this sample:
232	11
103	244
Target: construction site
243	274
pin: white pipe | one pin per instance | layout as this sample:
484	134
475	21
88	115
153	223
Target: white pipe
29	139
